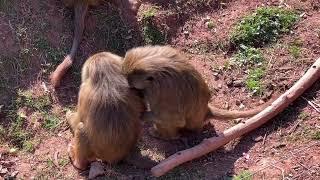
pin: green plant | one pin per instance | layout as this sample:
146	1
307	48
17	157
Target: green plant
303	116
266	24
295	51
210	24
253	81
54	54
64	161
244	175
316	135
295	48
28	146
151	34
149	13
248	56
40	103
50	122
50	163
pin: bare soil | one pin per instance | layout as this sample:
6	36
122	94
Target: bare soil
35	35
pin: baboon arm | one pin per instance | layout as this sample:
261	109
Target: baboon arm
79	150
208	145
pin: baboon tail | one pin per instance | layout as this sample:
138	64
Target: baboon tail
80	11
217	113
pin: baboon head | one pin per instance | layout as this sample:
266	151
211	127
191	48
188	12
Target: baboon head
147	66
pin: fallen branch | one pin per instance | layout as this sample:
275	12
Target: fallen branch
211	144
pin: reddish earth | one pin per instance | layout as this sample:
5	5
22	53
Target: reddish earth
281	149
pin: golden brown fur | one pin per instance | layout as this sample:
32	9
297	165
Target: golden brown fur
106	125
177	94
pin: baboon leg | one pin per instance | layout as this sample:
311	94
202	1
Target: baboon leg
73	120
79	149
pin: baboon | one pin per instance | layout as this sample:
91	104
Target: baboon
176	93
128	9
106	124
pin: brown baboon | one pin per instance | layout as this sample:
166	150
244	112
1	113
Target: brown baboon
177	94
128	9
106	124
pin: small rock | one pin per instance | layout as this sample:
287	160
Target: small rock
279	145
6	163
186	32
229	83
238	102
267	95
237	121
261	102
14	174
238	83
242	106
216	76
246	156
226	105
219	85
4	171
96	170
303	14
13	150
295	167
257	139
207	18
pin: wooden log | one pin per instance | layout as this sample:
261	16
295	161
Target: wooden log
211	144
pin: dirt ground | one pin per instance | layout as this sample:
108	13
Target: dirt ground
35	35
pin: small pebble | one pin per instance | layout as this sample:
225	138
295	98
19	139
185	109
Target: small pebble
237	121
279	145
238	102
226	105
261	101
257	139
237	83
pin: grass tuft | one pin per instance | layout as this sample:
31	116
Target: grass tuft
244	175
253	81
265	25
19	133
28	146
151	34
248	56
316	135
295	48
